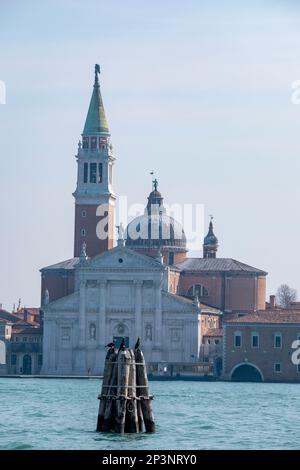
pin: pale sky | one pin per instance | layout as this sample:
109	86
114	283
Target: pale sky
199	91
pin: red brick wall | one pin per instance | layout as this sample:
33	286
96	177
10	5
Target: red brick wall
174	278
59	284
266	355
209	321
95	246
212	282
235	293
240	293
261	293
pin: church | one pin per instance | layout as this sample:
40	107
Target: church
146	286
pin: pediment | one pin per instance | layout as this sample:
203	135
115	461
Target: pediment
172	302
69	302
122	258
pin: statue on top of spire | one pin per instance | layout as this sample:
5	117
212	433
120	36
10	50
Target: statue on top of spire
97	68
121	233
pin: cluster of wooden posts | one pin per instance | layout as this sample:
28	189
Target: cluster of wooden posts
125	402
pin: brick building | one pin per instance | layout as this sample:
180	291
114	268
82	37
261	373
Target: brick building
21	339
259	346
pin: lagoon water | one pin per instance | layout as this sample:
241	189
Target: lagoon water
62	413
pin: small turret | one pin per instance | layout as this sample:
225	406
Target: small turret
210	245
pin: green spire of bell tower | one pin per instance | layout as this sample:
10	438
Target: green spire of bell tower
96	122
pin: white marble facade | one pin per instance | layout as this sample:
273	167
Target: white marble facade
119	293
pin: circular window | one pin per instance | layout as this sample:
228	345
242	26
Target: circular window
120	260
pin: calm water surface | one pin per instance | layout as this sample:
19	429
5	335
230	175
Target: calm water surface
62	413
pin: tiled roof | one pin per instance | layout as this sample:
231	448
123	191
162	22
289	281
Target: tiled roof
68	264
3	320
216	264
268	316
209	309
30	310
4	315
204	307
181	297
27	330
214	332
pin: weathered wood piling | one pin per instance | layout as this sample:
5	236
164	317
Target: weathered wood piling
125	403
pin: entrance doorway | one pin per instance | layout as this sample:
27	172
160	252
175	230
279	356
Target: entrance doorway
27	364
246	373
118	340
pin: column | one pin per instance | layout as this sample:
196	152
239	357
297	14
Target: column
101	329
48	347
138	310
80	354
82	314
102	314
158	315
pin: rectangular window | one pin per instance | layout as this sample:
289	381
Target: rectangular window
93	172
13	360
100	169
171	258
255	341
238	341
110	174
24	339
277	340
40	359
93	142
65	333
298	368
85	142
85	172
277	367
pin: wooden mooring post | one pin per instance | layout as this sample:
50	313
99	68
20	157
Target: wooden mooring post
125	402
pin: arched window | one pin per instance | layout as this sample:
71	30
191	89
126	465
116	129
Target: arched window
197	289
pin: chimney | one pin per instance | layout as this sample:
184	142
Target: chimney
272	301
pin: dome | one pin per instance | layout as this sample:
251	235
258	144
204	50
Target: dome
155	231
210	239
155	195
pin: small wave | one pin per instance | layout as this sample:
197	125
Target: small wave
16	446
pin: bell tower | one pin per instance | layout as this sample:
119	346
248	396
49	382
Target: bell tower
94	196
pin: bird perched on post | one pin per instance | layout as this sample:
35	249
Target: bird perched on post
137	344
122	345
111	345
